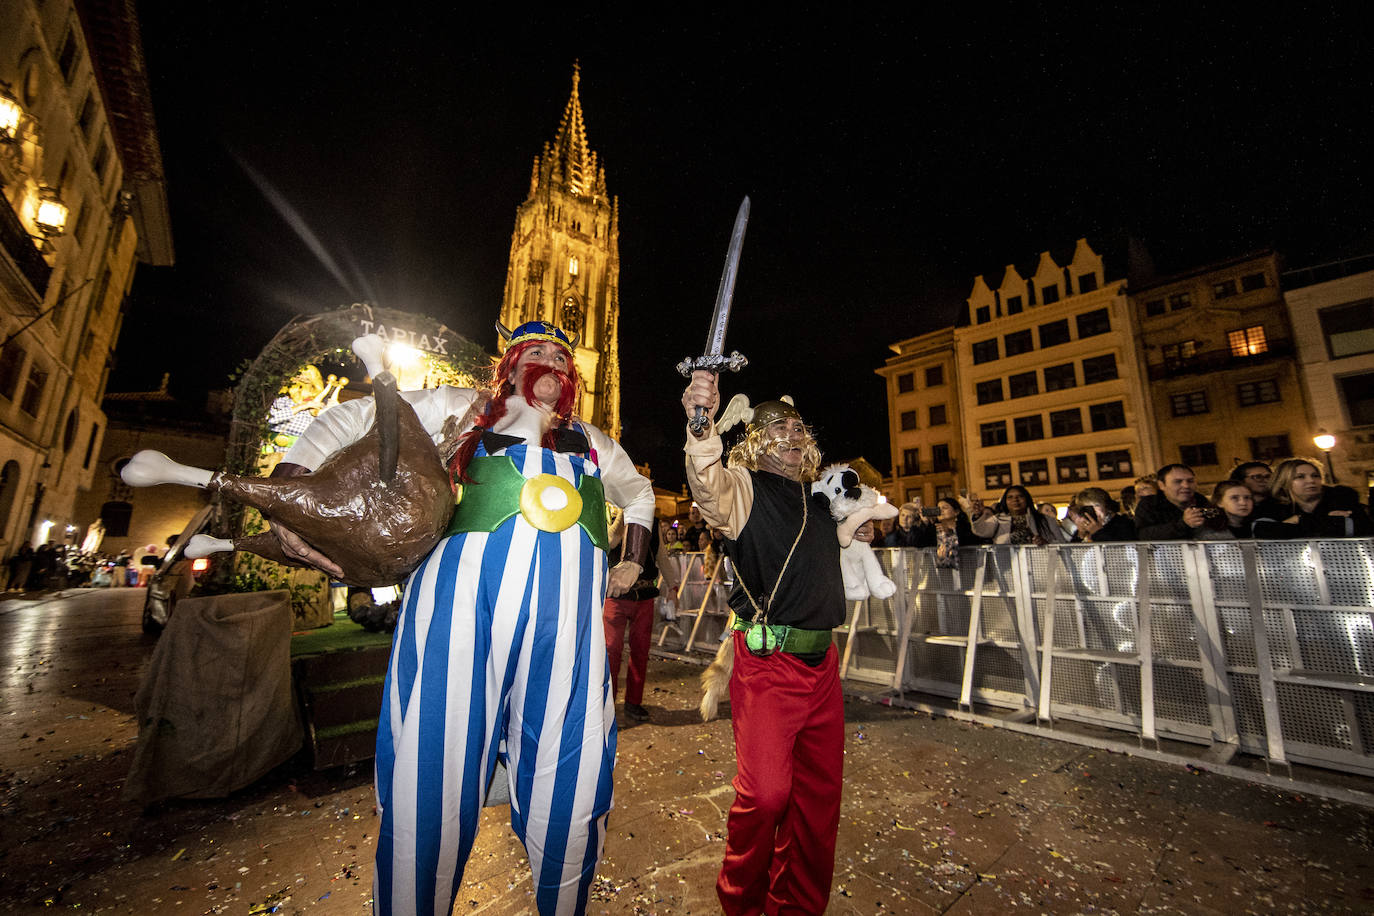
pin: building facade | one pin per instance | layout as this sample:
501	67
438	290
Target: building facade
1220	357
81	203
1053	390
565	261
1332	312
923	417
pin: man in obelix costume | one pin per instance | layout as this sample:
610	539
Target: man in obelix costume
499	652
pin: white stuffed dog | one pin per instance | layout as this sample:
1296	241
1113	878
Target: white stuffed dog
839	486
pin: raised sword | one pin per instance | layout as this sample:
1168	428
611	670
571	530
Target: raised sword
714	358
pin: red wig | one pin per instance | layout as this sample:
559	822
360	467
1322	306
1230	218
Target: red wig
500	388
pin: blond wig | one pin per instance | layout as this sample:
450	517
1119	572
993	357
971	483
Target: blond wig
756	443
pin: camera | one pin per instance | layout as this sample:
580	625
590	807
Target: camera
1088	511
930	512
1211	512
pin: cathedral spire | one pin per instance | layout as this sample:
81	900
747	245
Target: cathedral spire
574	162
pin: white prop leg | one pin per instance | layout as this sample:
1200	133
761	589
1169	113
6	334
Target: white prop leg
371	349
202	545
149	468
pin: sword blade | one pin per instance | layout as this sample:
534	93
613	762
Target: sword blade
715	337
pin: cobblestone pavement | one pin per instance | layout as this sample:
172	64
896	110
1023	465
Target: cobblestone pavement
939	815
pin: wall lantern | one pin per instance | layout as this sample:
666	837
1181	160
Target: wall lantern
10	113
51	215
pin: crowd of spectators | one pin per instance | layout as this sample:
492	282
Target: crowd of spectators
1291	500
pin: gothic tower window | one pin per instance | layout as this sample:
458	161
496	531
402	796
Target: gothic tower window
572	265
571	317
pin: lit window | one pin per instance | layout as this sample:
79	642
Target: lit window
1248	341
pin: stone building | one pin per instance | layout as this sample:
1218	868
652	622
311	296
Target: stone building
81	202
565	261
924	417
135	518
1053	391
1332	311
1220	357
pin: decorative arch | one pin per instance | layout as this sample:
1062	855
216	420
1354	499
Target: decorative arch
309	339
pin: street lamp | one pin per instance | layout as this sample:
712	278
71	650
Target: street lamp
1326	442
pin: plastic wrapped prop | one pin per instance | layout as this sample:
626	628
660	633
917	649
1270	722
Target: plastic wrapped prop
375	507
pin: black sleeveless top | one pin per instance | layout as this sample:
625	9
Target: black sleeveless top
811	594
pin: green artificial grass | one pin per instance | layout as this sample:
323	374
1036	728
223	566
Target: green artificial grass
341	635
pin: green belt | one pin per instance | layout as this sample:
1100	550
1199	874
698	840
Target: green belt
791	639
498	492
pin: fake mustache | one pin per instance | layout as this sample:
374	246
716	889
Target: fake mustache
567	389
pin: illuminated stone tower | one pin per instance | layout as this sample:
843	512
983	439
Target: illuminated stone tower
565	261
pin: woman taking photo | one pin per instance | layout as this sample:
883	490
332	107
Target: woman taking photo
1098	518
1303	506
1015	520
951	531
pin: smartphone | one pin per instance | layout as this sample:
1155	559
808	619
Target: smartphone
930	512
1088	512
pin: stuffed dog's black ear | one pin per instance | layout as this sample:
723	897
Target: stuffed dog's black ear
850	482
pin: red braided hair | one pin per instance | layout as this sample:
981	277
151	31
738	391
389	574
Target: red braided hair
493	401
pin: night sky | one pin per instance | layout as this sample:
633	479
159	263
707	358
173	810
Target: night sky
890	159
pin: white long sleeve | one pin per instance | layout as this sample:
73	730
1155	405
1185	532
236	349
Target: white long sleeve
348	422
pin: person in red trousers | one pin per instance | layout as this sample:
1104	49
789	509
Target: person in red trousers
785	700
632	612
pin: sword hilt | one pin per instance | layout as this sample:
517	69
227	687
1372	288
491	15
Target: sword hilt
711	362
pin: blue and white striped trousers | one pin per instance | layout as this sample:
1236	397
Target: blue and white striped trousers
499	652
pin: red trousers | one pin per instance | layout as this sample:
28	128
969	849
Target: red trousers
638	616
789	745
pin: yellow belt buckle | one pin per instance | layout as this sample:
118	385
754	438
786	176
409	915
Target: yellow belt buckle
550	503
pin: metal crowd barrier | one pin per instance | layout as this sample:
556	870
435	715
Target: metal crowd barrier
1263	647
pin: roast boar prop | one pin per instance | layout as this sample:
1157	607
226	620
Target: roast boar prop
375	507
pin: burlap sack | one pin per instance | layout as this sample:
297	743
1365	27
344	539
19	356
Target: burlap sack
216	710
